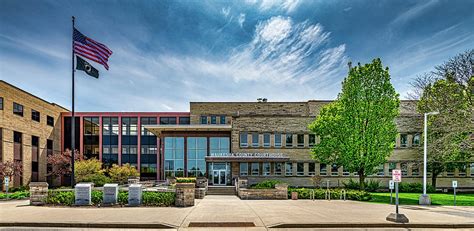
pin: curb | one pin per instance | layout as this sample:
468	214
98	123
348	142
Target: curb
374	225
127	225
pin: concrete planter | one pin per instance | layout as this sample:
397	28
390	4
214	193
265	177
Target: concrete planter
38	193
280	192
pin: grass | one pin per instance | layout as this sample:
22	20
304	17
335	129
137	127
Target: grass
436	198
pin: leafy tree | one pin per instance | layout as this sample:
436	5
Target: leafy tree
120	174
358	130
89	171
60	162
10	169
449	90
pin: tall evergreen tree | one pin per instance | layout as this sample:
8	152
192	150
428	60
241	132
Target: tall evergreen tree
358	130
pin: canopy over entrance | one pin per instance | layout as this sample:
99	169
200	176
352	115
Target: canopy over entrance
159	129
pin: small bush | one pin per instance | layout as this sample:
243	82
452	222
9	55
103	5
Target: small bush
120	174
370	185
158	198
320	194
90	171
414	188
186	180
122	198
97	197
267	184
18	195
18	189
98	179
351	184
60	197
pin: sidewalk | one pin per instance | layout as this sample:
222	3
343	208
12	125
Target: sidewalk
229	212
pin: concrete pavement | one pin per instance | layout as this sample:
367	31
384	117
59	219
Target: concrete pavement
229	213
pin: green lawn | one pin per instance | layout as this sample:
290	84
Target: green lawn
436	198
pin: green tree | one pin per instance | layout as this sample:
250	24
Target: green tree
358	130
90	171
120	174
449	90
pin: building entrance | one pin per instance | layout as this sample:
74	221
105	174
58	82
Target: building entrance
219	173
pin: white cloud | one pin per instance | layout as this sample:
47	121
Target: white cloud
225	11
241	19
414	11
266	5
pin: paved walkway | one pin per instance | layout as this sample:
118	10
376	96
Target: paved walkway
233	212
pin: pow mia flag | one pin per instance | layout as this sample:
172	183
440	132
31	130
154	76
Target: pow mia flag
83	65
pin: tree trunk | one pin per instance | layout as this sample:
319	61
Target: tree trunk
361	180
433	179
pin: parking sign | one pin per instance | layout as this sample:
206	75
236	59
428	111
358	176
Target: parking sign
391	184
6	180
455	184
397	175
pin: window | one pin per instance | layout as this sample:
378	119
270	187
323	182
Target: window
243	140
219	145
380	170
255	170
35	115
255	139
50	121
49	145
403	140
244	169
184	120
203	119
1	103
345	172
266	169
34	141
277	140
323	170
312	140
391	167
311	169
289	140
471	167
17	109
404	168
415	169
462	169
277	169
213	120
334	170
222	119
129	126
174	156
416	140
450	169
289	169
300	169
110	126
167	120
17	137
147	121
266	140
196	152
300	139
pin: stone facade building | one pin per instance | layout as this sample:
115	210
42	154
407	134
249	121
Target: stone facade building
223	141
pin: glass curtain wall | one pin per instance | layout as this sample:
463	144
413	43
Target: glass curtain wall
148	142
129	140
91	137
196	153
110	134
174	156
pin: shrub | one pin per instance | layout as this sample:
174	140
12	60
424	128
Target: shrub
415	188
88	170
98	179
122	198
158	198
370	185
267	184
18	195
320	194
120	174
186	180
97	197
60	197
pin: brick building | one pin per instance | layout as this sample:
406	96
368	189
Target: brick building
219	140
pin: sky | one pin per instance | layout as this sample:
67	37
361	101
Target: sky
169	53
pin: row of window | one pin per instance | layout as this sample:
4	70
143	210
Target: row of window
279	168
35	115
415	140
213	119
265	140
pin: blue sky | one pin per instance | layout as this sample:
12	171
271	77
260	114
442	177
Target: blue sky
167	53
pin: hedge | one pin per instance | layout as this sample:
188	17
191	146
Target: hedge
320	194
186	180
148	198
18	195
267	184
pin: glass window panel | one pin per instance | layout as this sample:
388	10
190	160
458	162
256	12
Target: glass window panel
255	170
266	140
203	119
300	169
277	140
416	140
243	140
311	169
266	169
277	169
255	139
289	140
244	168
300	139
222	119
213	120
403	140
312	140
289	169
323	169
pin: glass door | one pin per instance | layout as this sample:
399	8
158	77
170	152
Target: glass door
219	177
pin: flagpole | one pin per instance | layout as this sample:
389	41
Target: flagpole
73	121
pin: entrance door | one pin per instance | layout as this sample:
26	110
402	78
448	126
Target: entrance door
219	177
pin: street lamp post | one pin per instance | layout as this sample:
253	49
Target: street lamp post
425	198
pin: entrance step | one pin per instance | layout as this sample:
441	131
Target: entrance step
221	190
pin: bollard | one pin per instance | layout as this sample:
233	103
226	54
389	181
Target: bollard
343	194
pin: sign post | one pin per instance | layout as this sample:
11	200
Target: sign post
455	185
397	217
391	185
7	182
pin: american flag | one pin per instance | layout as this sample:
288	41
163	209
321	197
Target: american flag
91	49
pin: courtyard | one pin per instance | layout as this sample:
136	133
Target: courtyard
229	212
